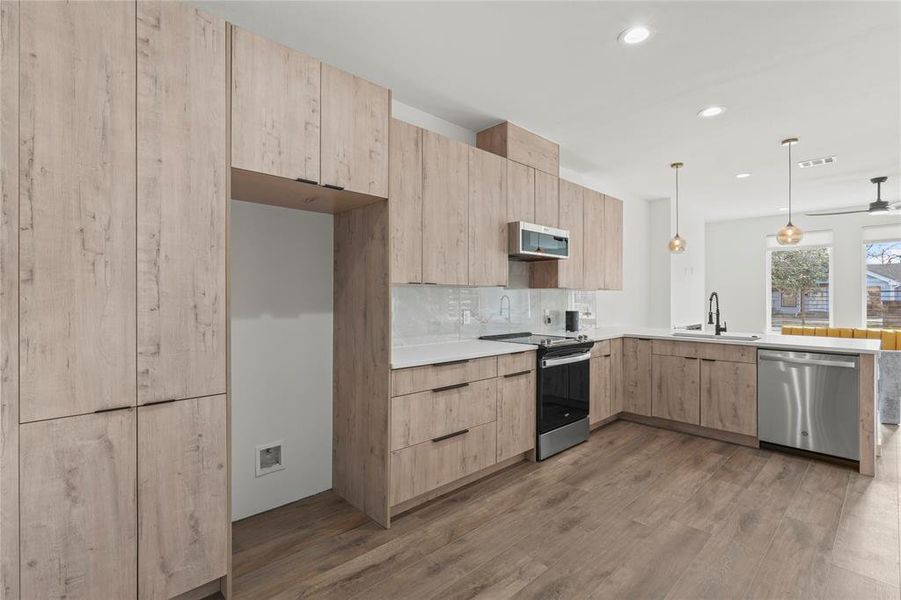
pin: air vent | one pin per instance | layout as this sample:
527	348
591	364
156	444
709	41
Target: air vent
816	162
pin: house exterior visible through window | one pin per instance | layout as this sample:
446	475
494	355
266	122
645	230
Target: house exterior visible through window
799	282
883	283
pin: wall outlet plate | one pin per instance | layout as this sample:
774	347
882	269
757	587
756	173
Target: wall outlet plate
269	458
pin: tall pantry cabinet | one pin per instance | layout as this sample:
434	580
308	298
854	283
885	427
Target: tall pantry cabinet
112	315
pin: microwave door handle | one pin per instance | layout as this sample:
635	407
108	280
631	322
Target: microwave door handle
556	362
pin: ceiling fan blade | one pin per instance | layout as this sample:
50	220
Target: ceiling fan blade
839	212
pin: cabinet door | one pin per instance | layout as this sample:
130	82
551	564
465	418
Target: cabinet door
593	240
181	202
183	495
355	116
445	210
676	389
613	243
275	108
405	205
520	192
487	218
516	414
78	507
637	376
616	376
572	202
77	215
547	199
729	396
600	389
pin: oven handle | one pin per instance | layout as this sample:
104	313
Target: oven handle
556	362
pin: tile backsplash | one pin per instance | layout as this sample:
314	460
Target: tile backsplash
422	314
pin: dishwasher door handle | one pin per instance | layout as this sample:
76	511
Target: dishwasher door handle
811	362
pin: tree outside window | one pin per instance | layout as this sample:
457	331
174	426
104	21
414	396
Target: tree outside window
883	283
802	274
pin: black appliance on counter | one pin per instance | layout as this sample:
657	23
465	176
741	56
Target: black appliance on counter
572	320
562	394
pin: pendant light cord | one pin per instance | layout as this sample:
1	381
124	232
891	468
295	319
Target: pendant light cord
790	182
677	201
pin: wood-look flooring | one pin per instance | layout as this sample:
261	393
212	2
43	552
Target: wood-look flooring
635	512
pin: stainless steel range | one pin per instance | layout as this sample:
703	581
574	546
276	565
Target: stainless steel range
562	394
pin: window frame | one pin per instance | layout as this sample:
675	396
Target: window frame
768	284
863	271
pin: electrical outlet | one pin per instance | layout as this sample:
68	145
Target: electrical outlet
466	316
269	458
547	317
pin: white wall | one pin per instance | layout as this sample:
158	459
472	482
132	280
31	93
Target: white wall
736	266
659	264
687	297
281	341
428	121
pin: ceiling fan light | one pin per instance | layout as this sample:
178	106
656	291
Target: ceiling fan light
677	244
789	235
880	212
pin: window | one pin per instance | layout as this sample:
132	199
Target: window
883	283
799	281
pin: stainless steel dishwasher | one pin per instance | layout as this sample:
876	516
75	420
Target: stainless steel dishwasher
809	401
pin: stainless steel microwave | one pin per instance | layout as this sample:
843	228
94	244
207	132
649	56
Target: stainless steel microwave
528	241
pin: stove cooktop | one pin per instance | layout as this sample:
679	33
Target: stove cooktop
546	341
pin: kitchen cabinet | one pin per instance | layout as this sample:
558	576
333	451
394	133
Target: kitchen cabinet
516	412
613	243
182	495
487	235
520	192
275	108
429	377
78	507
637	376
616	376
600	404
445	210
676	388
355	122
566	273
729	396
405	205
547	200
521	145
77	208
182	183
593	241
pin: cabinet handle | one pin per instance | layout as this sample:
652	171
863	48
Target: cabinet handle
333	187
302	180
453	362
159	402
518	374
449	387
450	435
605	355
429	283
644	339
709	359
106	410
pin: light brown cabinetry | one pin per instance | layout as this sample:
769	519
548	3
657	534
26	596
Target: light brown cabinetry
520	192
445	210
78	507
487	219
429	377
521	145
77	208
600	405
613	243
565	273
594	265
547	200
183	495
405	206
275	107
182	171
516	412
355	116
616	375
676	389
637	376
729	396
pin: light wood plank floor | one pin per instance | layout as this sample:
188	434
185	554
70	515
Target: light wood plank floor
636	512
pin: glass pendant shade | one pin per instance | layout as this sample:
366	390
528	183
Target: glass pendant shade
789	235
677	244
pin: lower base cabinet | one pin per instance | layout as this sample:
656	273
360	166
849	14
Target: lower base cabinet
183	493
676	389
729	396
78	507
600	391
637	376
515	414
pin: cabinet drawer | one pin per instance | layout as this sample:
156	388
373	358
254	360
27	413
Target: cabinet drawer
745	354
421	417
430	377
421	468
671	348
600	349
516	363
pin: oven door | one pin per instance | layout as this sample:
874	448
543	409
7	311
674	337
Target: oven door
563	388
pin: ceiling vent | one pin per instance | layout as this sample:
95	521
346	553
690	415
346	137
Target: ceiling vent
816	162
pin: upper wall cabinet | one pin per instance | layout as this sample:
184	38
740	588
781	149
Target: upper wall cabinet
275	108
355	117
566	273
547	199
520	193
613	243
594	246
181	202
445	210
77	215
405	206
516	143
487	218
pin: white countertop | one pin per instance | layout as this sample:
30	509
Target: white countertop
427	354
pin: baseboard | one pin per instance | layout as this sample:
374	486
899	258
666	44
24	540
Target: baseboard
207	590
603	422
714	434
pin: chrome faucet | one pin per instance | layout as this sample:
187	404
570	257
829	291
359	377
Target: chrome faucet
507	298
719	329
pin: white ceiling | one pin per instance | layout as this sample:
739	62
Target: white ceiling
827	72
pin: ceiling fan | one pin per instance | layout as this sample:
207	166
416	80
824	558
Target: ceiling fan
877	207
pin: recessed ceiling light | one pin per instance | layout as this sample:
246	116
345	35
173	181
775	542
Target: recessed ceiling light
742	175
634	35
711	111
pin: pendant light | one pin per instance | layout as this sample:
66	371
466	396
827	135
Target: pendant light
790	234
677	244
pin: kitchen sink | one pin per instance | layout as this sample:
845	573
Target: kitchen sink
740	337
